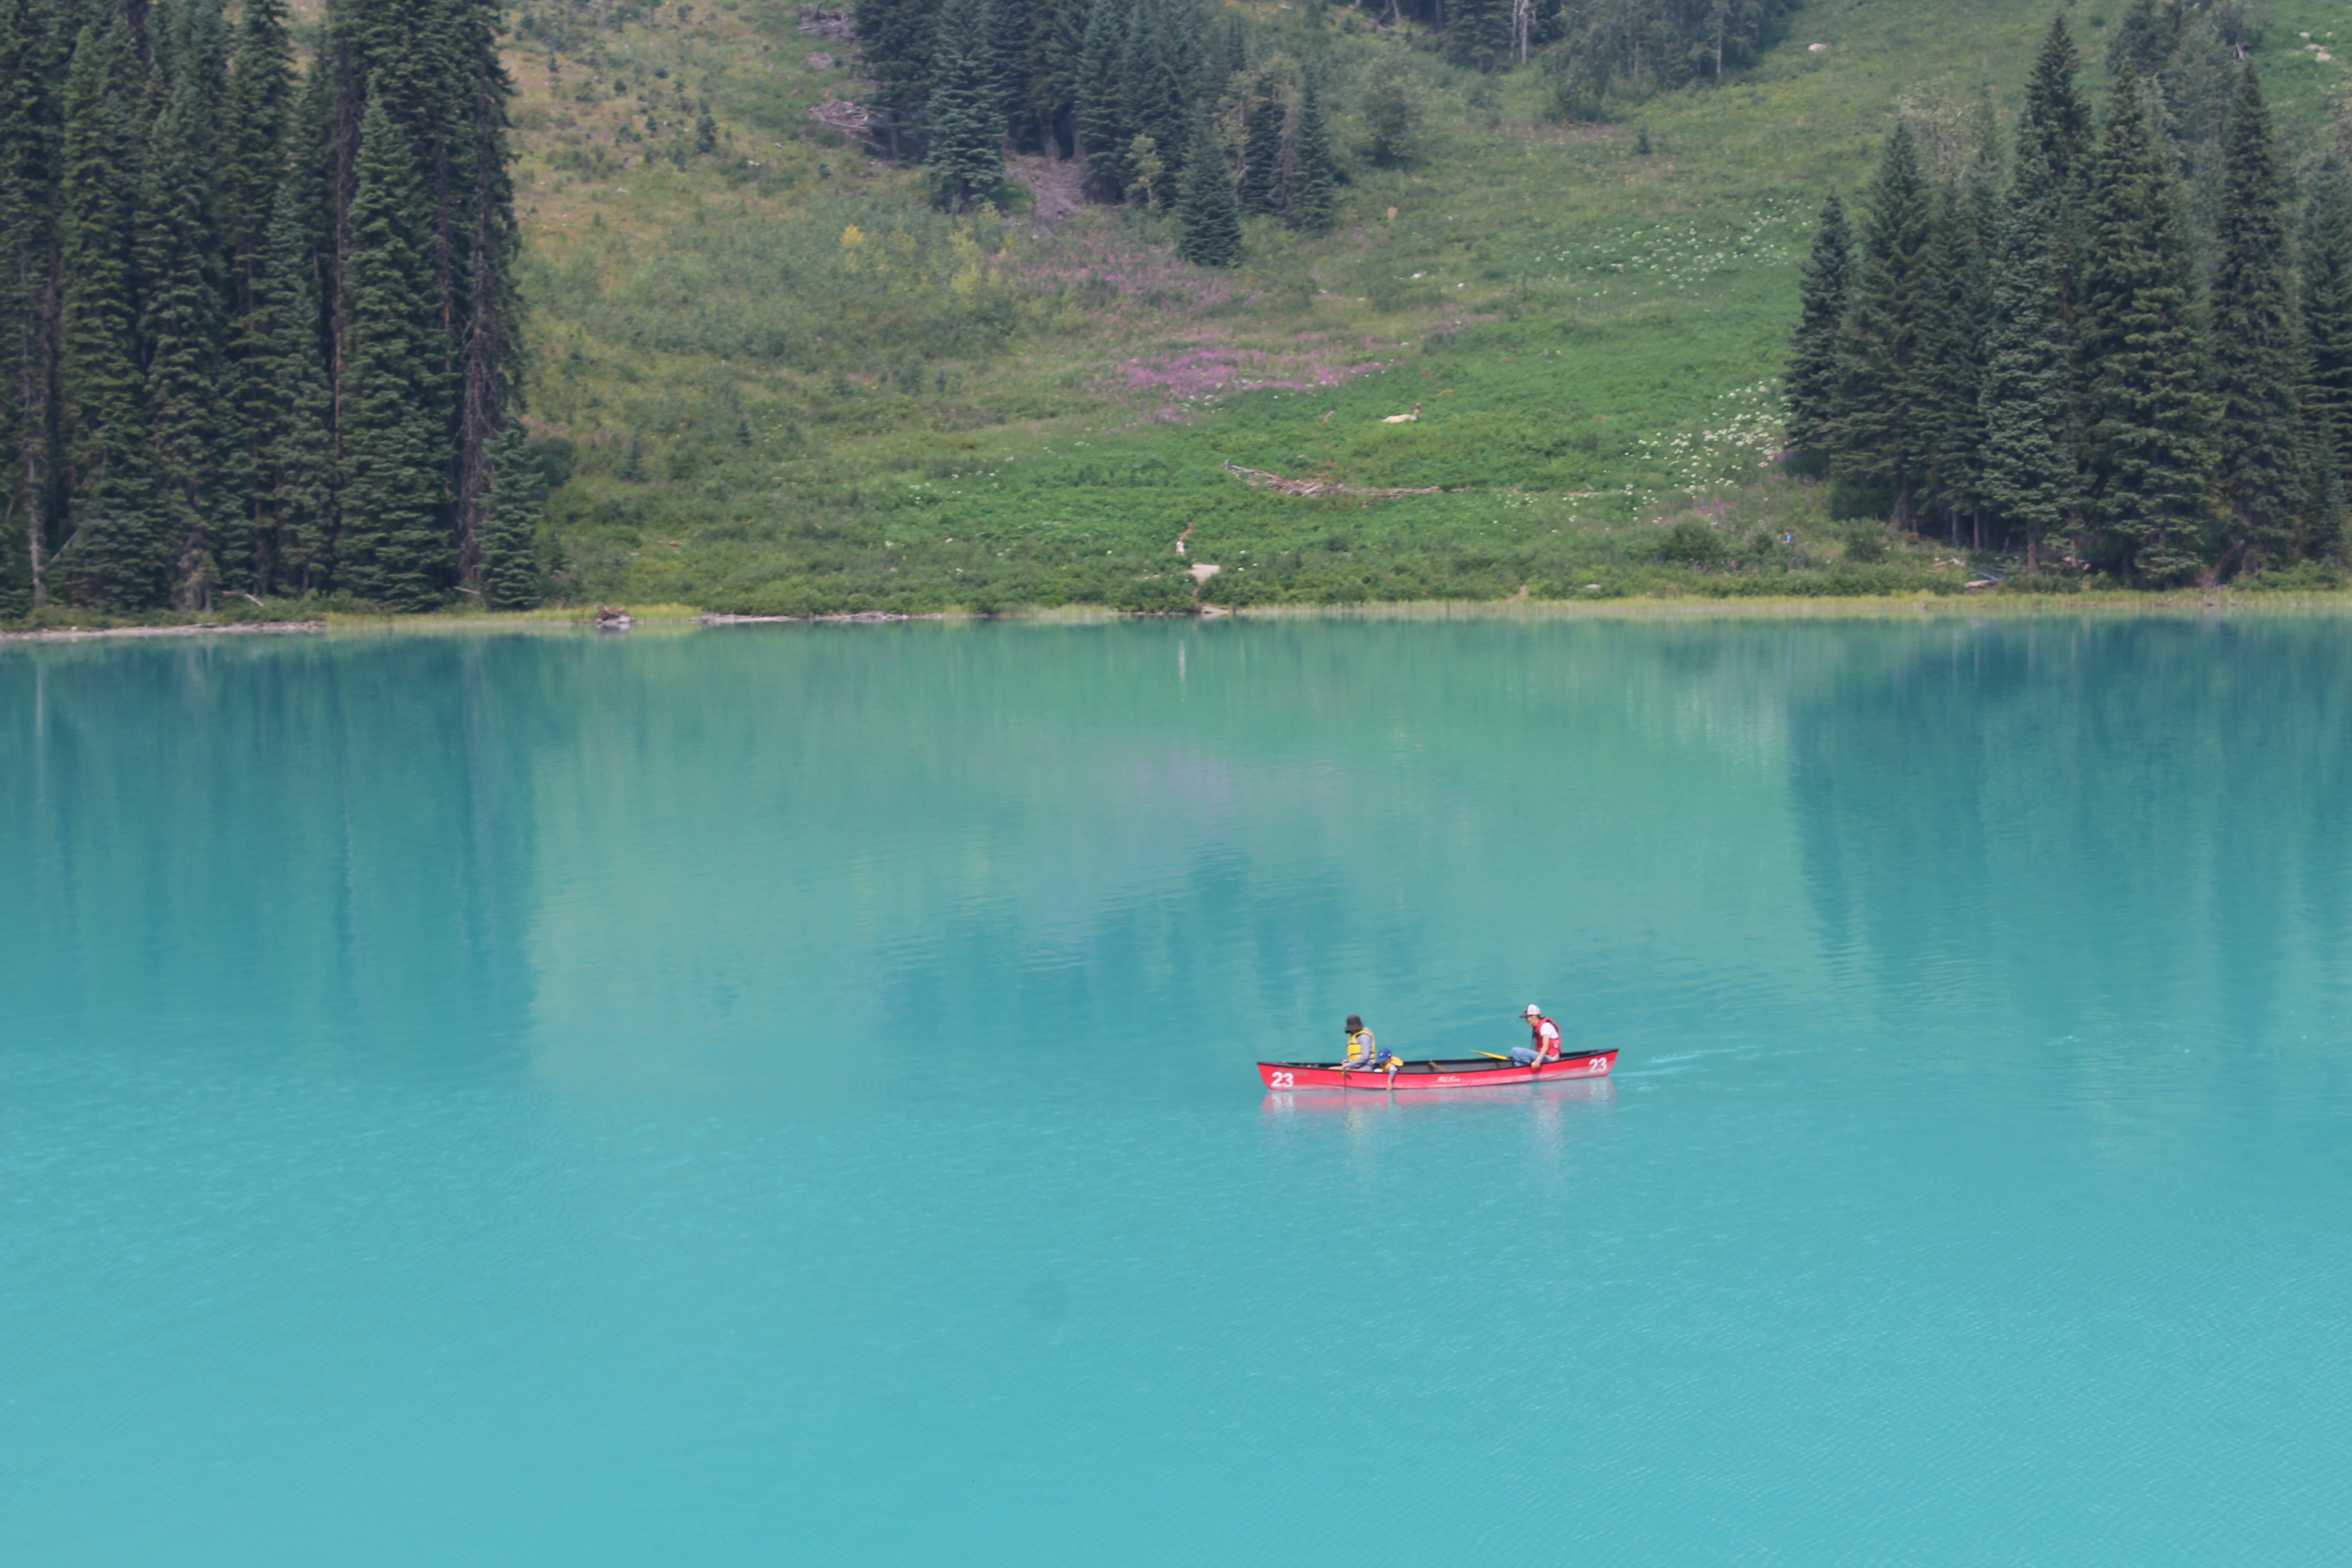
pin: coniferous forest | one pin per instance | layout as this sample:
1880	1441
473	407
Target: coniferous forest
2118	341
1138	90
261	327
979	305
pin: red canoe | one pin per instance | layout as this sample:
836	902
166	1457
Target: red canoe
1471	1072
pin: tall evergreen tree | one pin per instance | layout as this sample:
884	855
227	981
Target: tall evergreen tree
1231	57
1952	344
1977	206
2029	473
1054	85
193	56
30	112
1315	171
967	129
252	137
2055	127
2031	392
1153	80
2145	37
1813	353
111	541
288	412
320	159
181	325
2257	358
2326	305
2188	75
1883	409
2149	417
510	553
895	38
1261	147
1208	219
487	330
393	549
1012	42
1100	111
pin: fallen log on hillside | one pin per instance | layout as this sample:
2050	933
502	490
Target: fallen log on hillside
1312	489
849	119
827	23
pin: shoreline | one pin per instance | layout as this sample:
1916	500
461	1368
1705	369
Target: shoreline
203	629
674	618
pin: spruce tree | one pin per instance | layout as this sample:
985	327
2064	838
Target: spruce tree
1153	84
1208	219
318	159
967	156
487	330
1813	360
895	38
2054	134
287	411
1100	103
1883	413
2032	394
2030	474
1231	58
254	119
1952	346
1315	173
2256	357
2149	417
1976	208
2326	307
1261	147
2145	36
1054	82
510	549
192	57
30	110
1012	42
181	326
2055	127
2189	79
113	551
393	549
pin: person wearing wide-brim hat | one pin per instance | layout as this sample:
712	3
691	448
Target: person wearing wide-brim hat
1543	1044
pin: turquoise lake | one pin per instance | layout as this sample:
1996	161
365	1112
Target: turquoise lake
784	1095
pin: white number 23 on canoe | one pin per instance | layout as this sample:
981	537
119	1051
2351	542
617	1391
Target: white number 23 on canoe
1280	1080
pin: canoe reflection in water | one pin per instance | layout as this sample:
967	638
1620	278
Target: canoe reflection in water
1545	1106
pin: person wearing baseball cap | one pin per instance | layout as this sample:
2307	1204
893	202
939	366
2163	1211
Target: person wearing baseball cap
1544	1039
1364	1053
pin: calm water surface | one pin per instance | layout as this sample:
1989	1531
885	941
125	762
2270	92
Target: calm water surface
784	1096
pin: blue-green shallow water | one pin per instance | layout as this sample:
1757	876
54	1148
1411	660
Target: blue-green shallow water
784	1095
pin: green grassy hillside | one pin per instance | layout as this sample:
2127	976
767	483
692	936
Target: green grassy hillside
778	382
